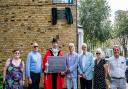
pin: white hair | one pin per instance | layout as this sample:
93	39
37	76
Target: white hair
116	46
99	50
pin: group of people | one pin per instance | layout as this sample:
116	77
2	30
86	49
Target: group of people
92	73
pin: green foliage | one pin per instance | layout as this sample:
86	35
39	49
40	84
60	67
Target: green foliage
93	16
121	28
121	23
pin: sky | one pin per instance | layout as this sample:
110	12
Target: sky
117	5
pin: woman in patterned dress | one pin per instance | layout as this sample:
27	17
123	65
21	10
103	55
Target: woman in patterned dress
14	71
100	71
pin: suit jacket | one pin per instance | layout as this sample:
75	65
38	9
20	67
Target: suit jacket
72	63
87	70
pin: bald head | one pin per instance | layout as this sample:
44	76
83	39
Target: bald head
35	46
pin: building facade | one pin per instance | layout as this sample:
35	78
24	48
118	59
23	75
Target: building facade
25	21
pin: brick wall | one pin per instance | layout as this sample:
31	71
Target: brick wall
25	21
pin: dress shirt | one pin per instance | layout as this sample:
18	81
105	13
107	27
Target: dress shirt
72	62
117	67
88	65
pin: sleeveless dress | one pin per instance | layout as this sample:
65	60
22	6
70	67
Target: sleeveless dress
99	75
14	77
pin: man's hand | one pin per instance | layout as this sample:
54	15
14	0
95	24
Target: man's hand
82	75
29	80
40	78
67	70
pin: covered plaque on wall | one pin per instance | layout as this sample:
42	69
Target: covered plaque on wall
63	1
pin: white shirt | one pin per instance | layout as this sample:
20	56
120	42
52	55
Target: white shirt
117	67
84	58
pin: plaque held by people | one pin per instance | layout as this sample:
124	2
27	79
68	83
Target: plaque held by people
56	64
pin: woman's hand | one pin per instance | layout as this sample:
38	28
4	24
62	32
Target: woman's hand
3	79
23	82
46	68
46	64
62	73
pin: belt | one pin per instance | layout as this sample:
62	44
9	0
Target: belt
31	72
118	78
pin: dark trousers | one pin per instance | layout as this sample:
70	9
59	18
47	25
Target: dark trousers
35	80
85	84
54	80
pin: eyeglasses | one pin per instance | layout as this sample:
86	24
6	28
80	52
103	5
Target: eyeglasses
35	46
98	53
17	53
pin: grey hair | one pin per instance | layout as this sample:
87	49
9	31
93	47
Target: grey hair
71	44
84	45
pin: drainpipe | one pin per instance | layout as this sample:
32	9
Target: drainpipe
77	39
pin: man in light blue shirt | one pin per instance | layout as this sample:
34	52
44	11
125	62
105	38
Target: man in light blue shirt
71	63
33	67
116	69
85	67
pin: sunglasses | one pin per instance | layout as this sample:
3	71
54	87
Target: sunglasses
98	53
35	46
116	50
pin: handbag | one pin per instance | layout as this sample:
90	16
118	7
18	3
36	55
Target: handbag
126	74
